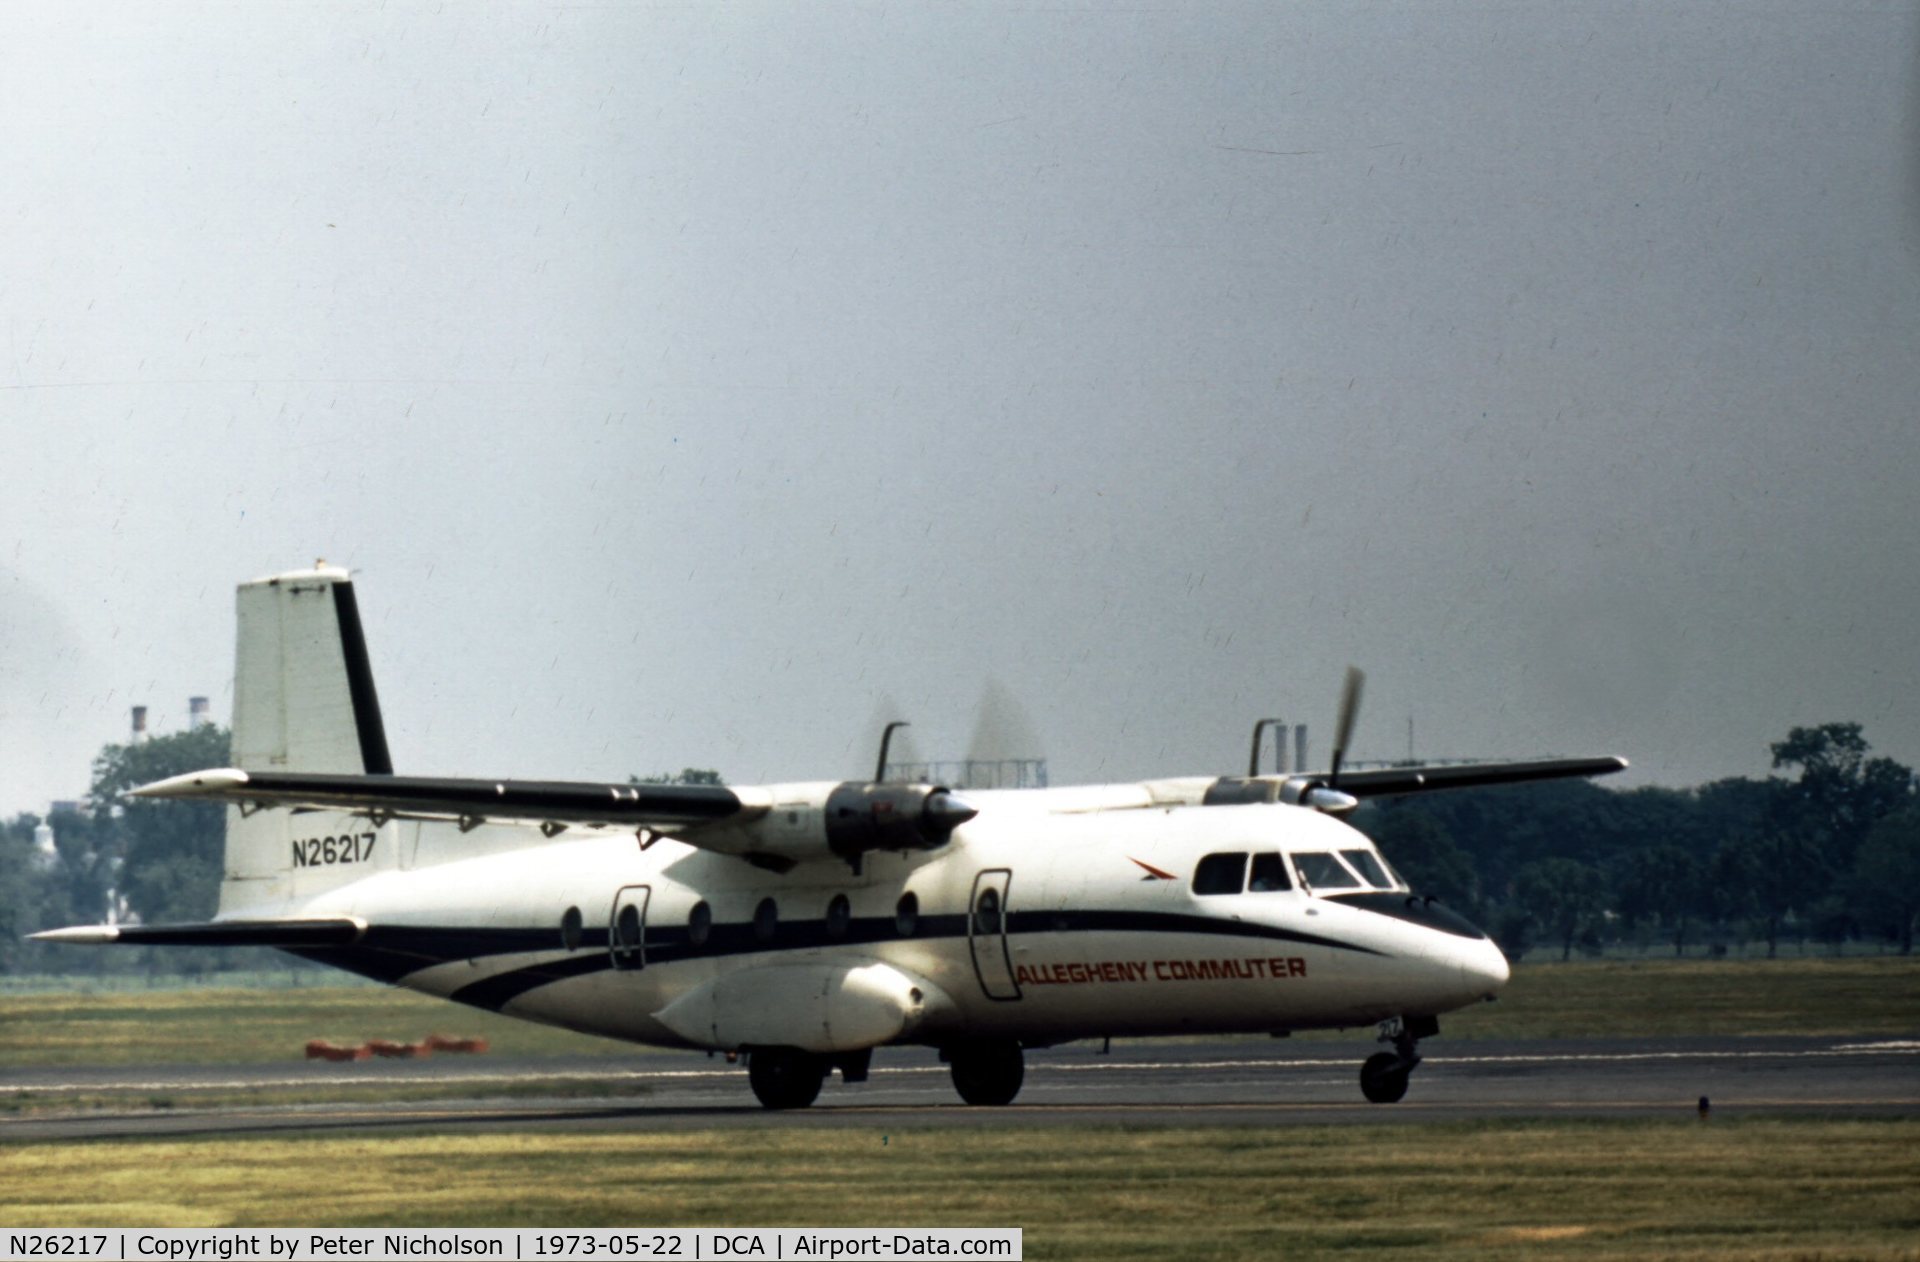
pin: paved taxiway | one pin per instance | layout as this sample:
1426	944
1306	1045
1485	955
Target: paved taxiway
1150	1083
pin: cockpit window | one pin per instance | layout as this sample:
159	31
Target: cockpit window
1221	874
1321	871
1366	865
1269	873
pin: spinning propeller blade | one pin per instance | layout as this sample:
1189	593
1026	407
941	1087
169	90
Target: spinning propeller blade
1343	730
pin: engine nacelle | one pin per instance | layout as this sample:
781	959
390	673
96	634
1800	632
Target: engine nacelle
785	824
1305	791
863	817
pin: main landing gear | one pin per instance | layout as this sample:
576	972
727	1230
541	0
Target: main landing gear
785	1077
986	1071
788	1078
1383	1079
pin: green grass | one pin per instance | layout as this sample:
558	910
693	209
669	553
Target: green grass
1864	995
1754	1188
253	1026
160	1098
1849	996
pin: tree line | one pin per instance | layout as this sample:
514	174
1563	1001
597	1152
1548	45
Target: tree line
1825	850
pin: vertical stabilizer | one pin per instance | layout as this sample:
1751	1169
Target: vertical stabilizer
303	695
303	700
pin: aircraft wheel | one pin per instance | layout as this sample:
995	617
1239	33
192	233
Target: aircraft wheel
1383	1079
988	1072
785	1077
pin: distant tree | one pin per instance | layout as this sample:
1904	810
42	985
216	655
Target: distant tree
1763	879
1831	920
1513	931
170	852
686	775
1664	886
1734	807
1418	845
1885	881
1840	793
1562	896
18	892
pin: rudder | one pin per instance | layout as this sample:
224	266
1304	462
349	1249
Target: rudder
303	700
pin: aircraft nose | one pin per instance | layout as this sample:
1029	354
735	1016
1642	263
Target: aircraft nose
1483	969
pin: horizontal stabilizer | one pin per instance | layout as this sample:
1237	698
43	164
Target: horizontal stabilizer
268	933
422	797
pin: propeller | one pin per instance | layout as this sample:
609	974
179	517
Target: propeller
1343	730
1328	797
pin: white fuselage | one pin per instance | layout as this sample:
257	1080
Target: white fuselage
1097	931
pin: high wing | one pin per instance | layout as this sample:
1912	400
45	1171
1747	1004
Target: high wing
842	820
1339	791
1392	781
665	807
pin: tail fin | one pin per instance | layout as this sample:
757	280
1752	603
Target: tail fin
303	696
303	700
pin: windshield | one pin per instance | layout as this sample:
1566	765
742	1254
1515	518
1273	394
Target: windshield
1321	871
1366	865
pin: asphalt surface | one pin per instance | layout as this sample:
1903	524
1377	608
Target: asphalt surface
1138	1083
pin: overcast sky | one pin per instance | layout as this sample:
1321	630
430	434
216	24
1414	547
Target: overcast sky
702	388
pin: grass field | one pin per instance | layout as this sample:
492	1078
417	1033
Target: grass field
1850	996
1732	1188
1783	1189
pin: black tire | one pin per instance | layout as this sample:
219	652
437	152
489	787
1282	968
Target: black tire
785	1077
1383	1079
988	1073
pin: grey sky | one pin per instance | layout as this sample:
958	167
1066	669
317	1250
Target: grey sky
700	388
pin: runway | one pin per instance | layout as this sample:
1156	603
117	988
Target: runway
1228	1082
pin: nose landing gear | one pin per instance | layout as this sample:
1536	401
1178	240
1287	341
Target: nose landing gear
1383	1078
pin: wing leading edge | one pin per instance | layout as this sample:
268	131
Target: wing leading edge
664	806
1392	781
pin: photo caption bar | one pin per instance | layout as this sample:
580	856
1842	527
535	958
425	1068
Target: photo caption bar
682	1244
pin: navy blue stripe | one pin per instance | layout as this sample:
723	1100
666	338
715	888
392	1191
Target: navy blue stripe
667	946
374	758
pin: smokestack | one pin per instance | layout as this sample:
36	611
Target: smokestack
197	713
1300	747
139	725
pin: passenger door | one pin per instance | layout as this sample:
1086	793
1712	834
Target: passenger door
627	930
987	934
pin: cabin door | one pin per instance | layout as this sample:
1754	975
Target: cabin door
987	934
627	932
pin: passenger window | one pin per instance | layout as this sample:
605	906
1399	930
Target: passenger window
699	923
1366	865
570	929
1269	873
839	916
1221	874
906	916
1321	871
766	918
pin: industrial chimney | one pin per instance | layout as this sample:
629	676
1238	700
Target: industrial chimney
139	725
197	713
